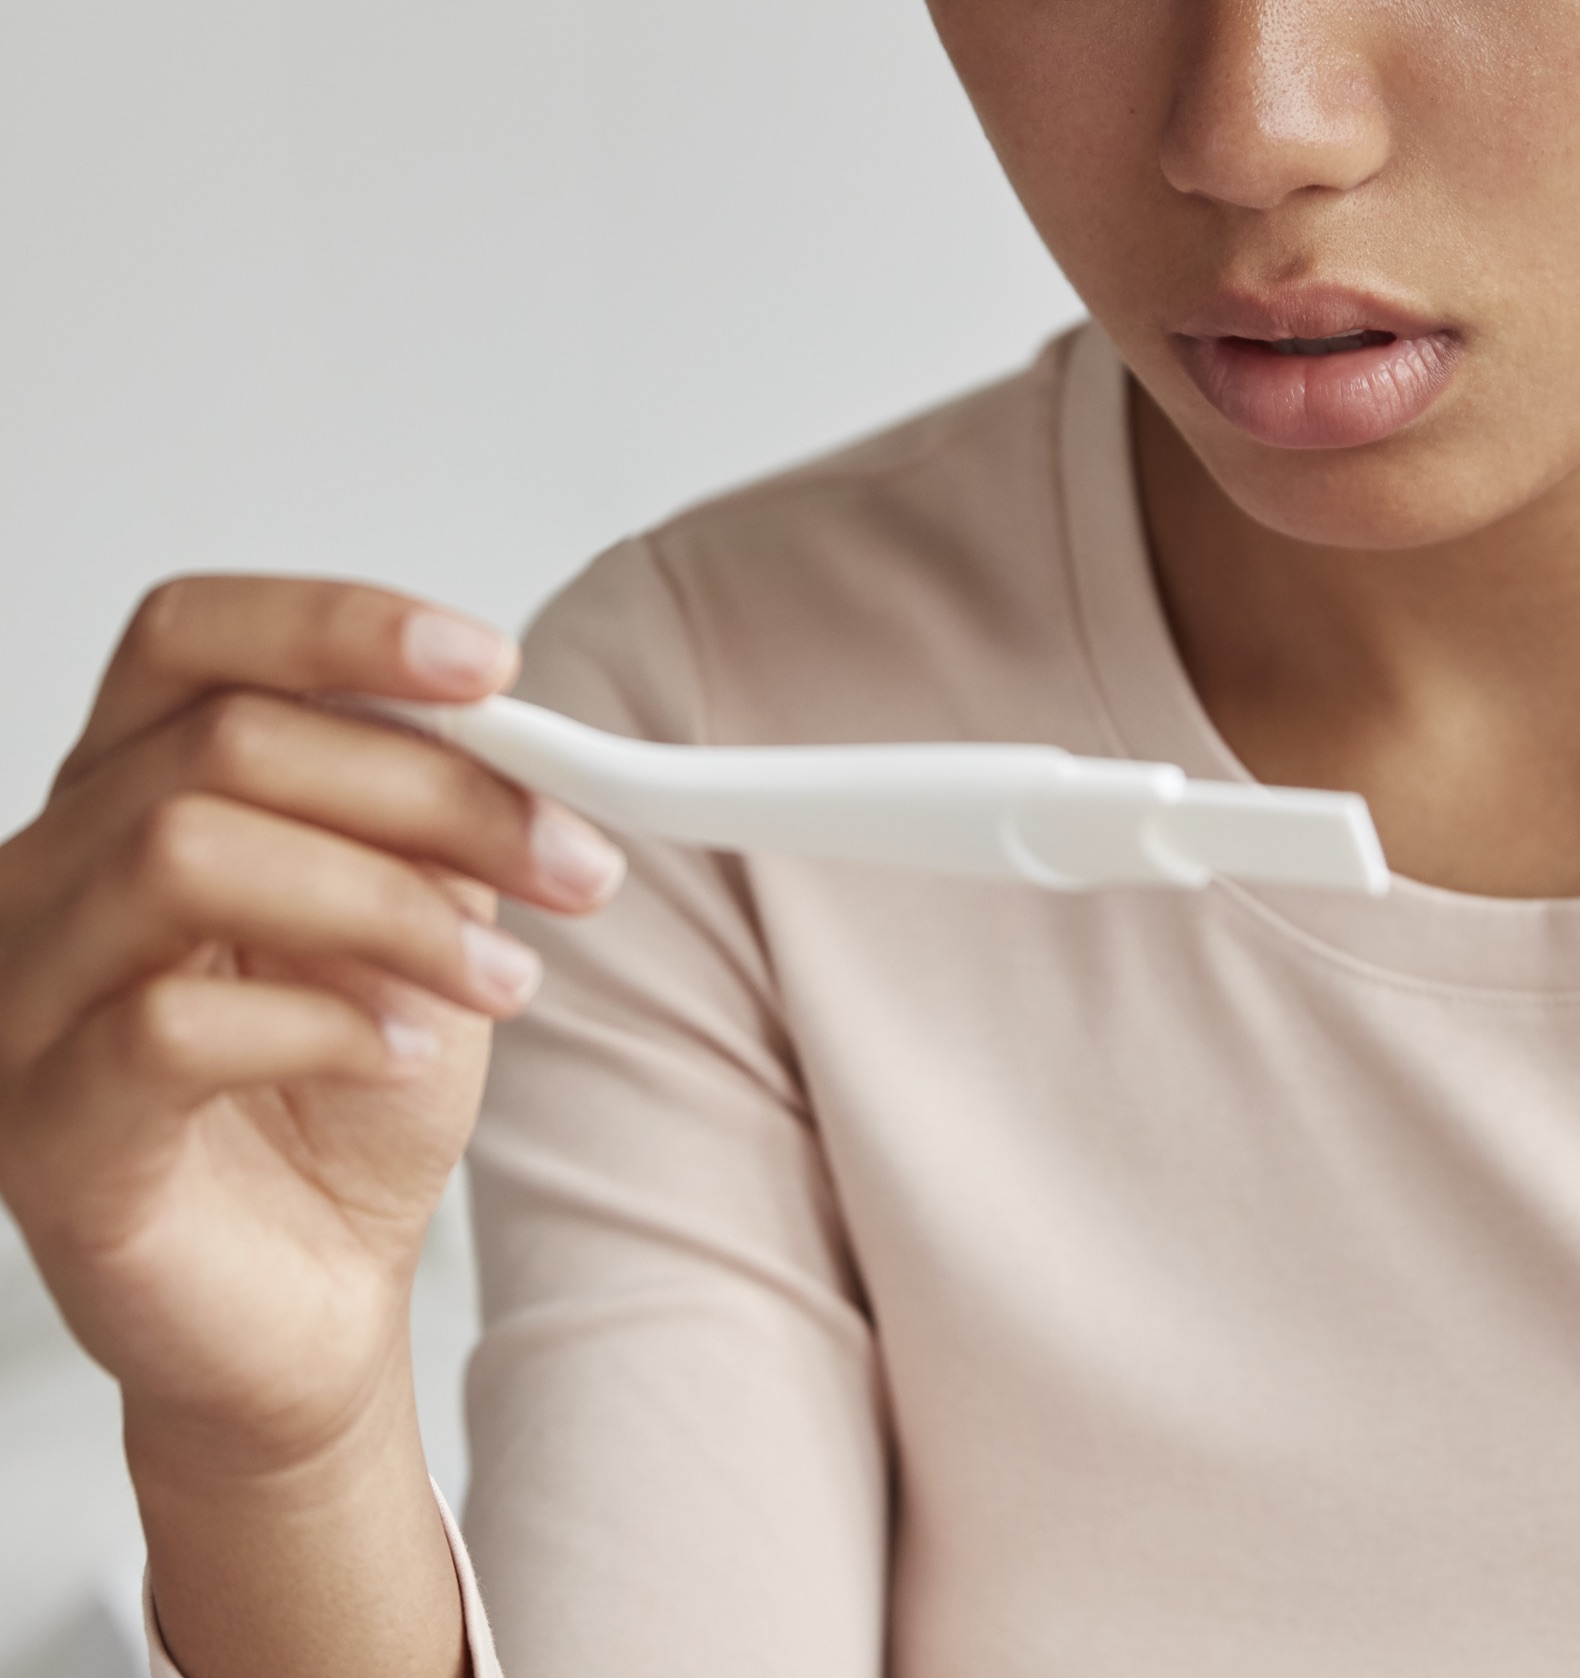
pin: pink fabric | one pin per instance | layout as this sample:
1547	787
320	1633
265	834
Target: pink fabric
891	1274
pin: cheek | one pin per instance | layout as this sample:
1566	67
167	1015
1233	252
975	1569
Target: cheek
1487	134
1068	94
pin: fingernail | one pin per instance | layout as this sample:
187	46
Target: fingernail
500	963
454	651
573	856
407	1043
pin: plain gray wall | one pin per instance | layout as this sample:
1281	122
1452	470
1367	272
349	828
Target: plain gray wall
453	294
448	293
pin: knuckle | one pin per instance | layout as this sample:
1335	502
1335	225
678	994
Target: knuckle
177	848
155	628
401	909
477	806
237	734
343	613
163	1034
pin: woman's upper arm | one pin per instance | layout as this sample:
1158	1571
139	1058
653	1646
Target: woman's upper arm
678	1456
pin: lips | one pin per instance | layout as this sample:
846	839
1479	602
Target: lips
1316	368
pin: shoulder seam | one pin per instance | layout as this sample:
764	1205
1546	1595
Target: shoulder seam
829	473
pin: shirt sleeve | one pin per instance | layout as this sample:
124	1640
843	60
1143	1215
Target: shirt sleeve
680	1462
485	1663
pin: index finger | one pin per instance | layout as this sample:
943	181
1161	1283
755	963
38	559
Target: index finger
290	634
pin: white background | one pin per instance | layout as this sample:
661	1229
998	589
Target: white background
450	295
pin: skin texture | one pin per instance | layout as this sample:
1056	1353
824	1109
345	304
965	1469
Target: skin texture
247	978
1402	617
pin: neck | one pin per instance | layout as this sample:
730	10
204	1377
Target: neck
1443	683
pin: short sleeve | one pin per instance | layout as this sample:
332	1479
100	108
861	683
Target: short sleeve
679	1455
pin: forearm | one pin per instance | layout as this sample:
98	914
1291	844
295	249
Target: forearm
337	1563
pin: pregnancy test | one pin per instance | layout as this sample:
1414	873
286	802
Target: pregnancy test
1026	812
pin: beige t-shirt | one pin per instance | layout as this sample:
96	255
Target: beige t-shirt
891	1273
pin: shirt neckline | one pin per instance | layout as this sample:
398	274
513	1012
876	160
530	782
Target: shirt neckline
1423	932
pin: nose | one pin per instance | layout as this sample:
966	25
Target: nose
1274	97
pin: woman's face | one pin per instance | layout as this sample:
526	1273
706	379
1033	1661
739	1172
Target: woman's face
1215	175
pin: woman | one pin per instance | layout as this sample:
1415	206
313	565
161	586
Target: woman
881	1271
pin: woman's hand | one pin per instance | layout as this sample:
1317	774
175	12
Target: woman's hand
247	977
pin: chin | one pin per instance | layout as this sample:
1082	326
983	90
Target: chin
1409	492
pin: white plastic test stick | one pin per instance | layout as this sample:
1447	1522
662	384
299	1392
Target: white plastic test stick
1013	811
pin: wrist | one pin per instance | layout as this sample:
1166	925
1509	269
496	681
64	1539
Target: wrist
304	1444
339	1547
